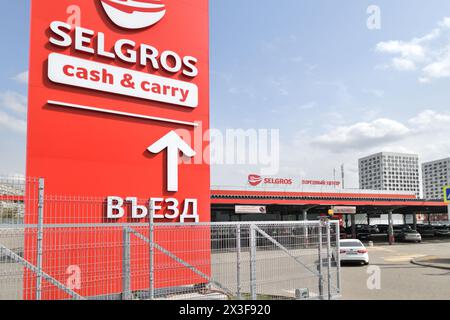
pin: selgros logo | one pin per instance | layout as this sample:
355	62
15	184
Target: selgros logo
134	14
254	180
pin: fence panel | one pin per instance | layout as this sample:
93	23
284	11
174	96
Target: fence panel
46	253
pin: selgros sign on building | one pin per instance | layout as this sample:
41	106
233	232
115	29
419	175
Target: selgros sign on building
255	180
111	82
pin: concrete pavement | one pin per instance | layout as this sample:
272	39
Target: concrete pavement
391	275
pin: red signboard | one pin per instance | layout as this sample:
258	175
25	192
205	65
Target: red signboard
112	83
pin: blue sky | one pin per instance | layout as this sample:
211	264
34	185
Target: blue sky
311	68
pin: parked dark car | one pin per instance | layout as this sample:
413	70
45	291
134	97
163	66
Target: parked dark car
383	228
441	230
426	230
364	231
374	229
361	232
343	233
366	228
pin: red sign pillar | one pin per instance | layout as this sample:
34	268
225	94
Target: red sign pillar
118	93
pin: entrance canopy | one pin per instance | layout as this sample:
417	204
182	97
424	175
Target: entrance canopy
365	201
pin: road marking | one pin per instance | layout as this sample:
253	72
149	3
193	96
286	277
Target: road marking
402	258
380	249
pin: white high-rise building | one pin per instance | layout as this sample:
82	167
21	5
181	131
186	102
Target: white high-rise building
435	176
390	171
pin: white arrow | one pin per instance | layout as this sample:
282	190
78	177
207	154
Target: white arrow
174	144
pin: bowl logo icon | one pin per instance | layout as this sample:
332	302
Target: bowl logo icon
134	14
254	180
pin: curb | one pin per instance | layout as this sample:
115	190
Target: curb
429	264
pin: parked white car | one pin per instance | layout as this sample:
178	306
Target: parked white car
353	250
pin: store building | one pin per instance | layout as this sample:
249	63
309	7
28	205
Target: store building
265	205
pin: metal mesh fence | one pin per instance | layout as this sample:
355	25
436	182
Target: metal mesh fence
47	252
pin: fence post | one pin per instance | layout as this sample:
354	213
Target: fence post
126	267
253	262
328	257
152	255
306	231
238	258
338	257
40	236
320	262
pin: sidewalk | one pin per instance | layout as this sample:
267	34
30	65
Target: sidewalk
433	262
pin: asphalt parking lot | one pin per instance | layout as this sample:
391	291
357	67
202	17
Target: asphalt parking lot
399	279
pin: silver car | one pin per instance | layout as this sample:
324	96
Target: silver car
406	233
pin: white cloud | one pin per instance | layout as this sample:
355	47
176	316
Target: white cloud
403	64
426	129
424	80
361	135
430	120
438	69
13	101
407	50
434	34
430	54
445	22
22	77
12	123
